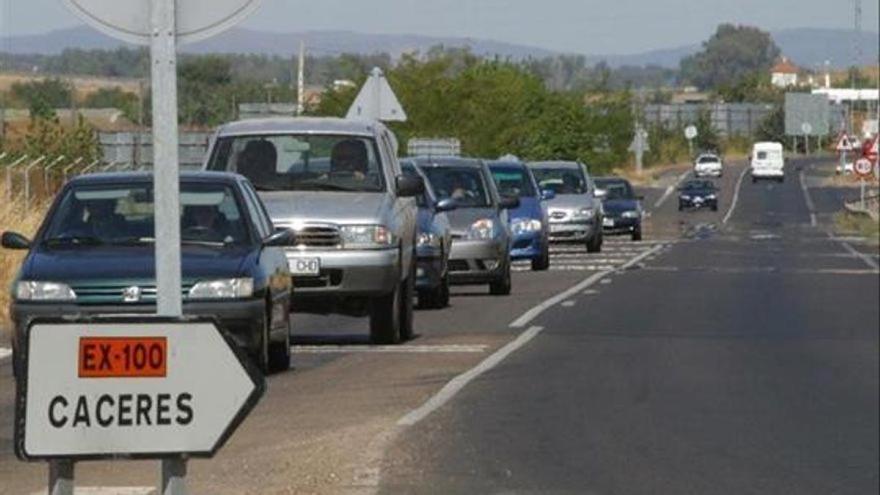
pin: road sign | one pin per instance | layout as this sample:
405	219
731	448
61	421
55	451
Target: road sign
843	143
870	149
806	128
130	21
690	132
137	388
863	167
377	101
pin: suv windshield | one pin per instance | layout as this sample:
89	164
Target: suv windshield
123	214
561	180
513	181
290	162
463	184
615	189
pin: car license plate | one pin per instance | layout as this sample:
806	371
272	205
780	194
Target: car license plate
305	266
123	357
608	222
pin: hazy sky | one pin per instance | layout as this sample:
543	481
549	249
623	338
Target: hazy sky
581	26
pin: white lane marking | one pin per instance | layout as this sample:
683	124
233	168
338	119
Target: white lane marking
567	304
590	292
109	490
808	199
5	353
533	313
459	382
864	257
735	196
765	269
390	349
606	281
669	190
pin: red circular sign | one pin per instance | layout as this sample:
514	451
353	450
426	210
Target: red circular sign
863	167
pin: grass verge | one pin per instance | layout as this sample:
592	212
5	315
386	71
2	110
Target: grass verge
15	216
857	224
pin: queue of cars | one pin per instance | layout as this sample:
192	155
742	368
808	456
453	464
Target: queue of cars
314	215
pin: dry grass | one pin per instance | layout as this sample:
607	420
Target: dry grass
14	216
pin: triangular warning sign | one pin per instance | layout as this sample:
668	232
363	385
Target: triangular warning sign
377	101
844	144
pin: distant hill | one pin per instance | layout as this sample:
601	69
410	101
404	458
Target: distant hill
808	47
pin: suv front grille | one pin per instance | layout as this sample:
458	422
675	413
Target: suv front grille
316	236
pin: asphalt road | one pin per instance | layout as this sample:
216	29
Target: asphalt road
715	357
744	361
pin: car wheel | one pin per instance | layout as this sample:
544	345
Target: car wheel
637	234
385	317
594	245
279	352
543	263
502	286
754	180
444	293
262	354
715	207
406	304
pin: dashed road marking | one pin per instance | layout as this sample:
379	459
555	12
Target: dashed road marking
606	281
735	196
459	382
590	292
864	257
389	349
808	200
533	313
568	304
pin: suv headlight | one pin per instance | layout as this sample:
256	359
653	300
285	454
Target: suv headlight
630	214
366	237
232	288
584	214
525	225
43	291
483	228
429	239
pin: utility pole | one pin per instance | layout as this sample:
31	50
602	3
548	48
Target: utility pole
301	80
857	54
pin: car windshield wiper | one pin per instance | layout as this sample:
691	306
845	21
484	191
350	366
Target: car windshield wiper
193	242
76	240
133	241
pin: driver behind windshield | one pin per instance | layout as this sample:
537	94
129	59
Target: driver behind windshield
349	158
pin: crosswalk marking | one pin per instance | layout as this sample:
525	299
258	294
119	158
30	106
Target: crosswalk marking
574	257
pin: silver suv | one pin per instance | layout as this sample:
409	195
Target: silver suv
338	185
576	212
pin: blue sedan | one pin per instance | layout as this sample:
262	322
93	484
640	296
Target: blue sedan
528	222
433	244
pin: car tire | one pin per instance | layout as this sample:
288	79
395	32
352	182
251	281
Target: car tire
279	352
715	207
438	298
754	180
407	295
637	234
543	263
502	286
385	317
594	245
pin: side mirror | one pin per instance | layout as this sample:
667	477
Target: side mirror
509	202
14	240
447	204
600	193
281	237
548	194
409	186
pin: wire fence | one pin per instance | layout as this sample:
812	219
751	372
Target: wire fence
31	180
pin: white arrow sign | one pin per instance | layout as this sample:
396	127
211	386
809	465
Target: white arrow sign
131	389
377	101
196	20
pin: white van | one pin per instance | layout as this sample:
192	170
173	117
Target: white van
768	162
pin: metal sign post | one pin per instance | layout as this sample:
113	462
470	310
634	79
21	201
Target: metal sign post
639	146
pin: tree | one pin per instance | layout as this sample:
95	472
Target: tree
115	98
43	96
732	53
773	126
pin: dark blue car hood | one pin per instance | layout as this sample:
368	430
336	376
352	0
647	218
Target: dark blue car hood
620	205
134	262
528	208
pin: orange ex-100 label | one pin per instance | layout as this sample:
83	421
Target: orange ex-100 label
123	357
